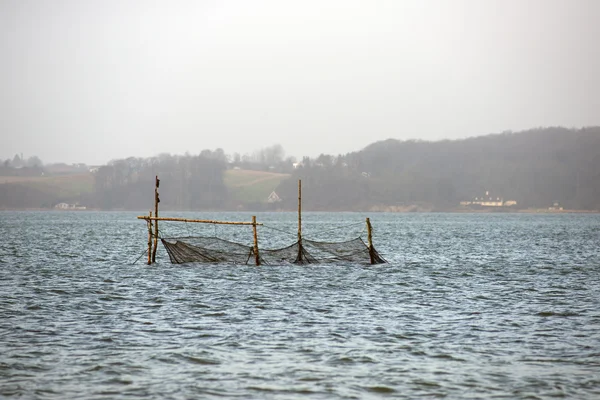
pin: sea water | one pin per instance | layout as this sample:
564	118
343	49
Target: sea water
468	306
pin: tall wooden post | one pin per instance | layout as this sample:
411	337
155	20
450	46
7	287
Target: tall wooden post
299	210
256	256
299	257
149	221
156	201
370	239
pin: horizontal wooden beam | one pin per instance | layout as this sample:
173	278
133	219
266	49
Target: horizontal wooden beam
202	221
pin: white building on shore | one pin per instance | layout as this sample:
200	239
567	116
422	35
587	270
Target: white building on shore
489	201
67	206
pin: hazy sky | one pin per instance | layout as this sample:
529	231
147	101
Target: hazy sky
90	81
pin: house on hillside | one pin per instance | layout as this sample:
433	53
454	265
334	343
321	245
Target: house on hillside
273	198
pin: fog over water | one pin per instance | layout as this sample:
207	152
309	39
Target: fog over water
93	81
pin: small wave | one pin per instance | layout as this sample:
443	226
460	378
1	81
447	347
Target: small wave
447	357
207	336
95	368
557	314
119	381
310	379
255	298
427	383
112	298
407	336
199	360
164	359
216	314
200	305
45	392
351	360
140	321
12	390
260	389
380	389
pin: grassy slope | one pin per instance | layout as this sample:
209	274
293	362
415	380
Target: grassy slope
60	186
247	186
42	192
71	186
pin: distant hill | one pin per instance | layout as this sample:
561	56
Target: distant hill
535	168
538	168
29	192
246	188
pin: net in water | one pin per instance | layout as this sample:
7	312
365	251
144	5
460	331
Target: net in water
214	250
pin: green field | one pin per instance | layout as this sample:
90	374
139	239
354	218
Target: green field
63	186
246	186
43	191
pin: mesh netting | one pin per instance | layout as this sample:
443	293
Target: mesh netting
216	250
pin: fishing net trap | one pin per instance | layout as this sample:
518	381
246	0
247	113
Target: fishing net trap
212	249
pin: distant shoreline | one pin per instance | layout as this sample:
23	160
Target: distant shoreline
376	210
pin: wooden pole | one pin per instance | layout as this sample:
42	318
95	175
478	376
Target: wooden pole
149	239
203	221
156	200
299	210
256	256
299	257
370	239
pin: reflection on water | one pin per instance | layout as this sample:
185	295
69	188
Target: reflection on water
473	306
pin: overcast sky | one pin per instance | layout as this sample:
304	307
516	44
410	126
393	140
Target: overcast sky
90	81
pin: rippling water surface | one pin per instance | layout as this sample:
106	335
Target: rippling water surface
469	306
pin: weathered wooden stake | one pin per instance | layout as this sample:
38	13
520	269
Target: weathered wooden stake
370	239
299	210
149	239
256	256
156	200
299	257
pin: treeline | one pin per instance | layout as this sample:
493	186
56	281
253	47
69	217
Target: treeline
536	168
271	158
189	182
20	166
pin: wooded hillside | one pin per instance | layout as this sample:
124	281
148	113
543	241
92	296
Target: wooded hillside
536	168
187	182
